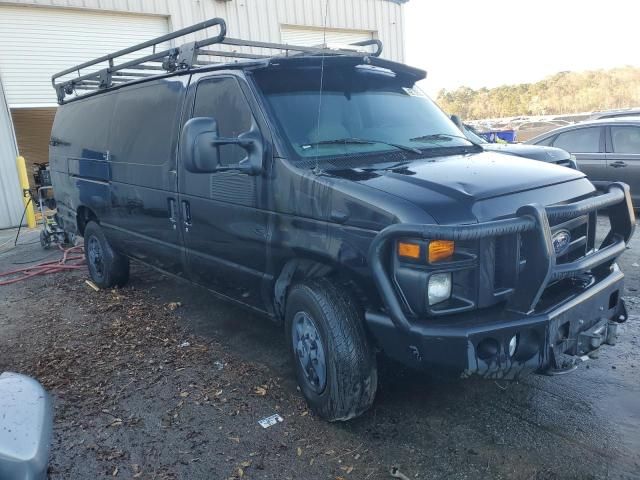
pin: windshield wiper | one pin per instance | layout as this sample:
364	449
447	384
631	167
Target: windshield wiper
444	136
361	141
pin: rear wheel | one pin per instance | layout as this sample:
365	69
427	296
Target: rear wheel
107	268
334	362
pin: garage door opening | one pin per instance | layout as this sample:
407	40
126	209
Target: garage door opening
32	127
311	37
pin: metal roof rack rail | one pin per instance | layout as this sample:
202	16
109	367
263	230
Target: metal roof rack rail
186	56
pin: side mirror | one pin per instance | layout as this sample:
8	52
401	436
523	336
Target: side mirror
200	148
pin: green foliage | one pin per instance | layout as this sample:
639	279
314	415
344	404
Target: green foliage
562	93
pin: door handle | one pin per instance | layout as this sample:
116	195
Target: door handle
618	164
186	213
173	217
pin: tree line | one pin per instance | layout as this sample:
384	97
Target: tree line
562	93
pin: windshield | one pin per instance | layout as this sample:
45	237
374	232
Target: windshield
361	111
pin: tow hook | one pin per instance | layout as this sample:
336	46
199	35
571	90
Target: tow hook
605	331
612	333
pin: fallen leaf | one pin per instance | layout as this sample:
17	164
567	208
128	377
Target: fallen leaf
260	391
299	451
115	472
184	394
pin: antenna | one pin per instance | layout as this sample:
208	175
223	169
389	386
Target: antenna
324	43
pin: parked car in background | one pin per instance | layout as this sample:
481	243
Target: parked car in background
533	152
626	112
528	130
605	149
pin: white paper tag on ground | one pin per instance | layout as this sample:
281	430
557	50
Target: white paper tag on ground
269	421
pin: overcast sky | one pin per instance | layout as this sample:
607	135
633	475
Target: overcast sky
495	42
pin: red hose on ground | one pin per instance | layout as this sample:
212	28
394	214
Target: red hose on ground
72	259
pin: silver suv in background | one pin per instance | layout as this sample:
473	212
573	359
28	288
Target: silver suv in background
532	152
605	149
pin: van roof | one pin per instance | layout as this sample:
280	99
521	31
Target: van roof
116	70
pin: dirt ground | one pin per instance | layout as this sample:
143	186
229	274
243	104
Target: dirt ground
160	380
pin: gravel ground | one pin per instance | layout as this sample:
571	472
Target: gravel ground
160	380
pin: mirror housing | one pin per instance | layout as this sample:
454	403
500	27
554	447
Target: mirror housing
200	148
26	425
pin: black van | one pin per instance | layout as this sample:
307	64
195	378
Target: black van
320	187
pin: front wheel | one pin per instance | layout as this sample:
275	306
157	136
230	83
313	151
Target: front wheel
107	268
334	362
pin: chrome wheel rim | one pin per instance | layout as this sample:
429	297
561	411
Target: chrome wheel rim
308	348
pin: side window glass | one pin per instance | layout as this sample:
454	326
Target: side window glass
546	142
583	140
145	121
222	99
625	139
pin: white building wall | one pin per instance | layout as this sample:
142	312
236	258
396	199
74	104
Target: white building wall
262	19
10	193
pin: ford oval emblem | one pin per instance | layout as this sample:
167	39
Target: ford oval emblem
561	241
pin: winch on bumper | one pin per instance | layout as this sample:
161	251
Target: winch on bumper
535	329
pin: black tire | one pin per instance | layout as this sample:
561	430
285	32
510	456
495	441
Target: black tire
107	268
351	376
45	240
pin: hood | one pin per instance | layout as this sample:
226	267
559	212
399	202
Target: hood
534	152
448	187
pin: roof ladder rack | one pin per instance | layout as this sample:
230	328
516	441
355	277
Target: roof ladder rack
189	55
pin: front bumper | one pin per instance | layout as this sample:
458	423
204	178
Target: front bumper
476	341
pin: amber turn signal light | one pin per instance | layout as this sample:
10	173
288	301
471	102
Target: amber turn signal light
409	250
440	250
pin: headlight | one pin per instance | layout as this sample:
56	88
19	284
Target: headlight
439	288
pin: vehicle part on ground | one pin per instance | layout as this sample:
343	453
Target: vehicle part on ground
106	267
334	362
26	422
72	259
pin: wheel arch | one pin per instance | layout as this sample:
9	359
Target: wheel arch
300	268
83	216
